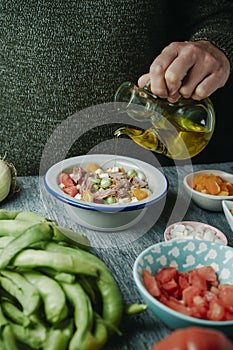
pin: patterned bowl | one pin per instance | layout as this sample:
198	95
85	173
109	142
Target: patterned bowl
184	255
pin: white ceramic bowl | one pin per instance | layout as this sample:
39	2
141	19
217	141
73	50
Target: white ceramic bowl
185	255
107	217
203	200
227	207
195	230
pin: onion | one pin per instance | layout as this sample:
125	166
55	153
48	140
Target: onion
7	179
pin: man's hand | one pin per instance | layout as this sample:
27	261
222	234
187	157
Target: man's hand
189	69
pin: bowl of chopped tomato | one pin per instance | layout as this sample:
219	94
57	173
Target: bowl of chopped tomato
106	192
208	188
188	283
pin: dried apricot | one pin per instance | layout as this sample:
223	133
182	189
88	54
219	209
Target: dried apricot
212	184
139	194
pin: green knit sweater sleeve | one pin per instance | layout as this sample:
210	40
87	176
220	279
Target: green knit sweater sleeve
213	21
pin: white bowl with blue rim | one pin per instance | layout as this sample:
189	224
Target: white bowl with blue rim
184	255
107	217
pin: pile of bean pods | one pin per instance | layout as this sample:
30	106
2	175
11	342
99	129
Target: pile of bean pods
54	293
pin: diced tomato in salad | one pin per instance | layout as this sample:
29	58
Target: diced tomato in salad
72	190
196	293
65	180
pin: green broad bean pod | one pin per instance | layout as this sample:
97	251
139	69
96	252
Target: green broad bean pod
36	233
16	285
34	258
111	295
15	315
9	340
83	338
34	337
13	223
59	276
54	293
5	240
135	309
7	337
13	227
71	238
30	216
8	214
58	339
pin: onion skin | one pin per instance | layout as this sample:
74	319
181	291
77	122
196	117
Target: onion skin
7	179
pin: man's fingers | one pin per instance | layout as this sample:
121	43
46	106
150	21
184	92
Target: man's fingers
205	88
143	80
191	69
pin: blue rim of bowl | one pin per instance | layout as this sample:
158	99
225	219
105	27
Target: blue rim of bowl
107	207
142	289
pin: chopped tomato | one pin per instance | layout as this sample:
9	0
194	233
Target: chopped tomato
229	315
188	295
214	290
200	307
209	295
216	310
150	283
170	286
65	180
196	293
196	338
72	190
226	296
183	280
164	294
195	279
176	305
208	273
166	274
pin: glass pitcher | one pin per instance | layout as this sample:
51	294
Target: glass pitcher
178	130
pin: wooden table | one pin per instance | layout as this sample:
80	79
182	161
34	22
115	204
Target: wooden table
141	331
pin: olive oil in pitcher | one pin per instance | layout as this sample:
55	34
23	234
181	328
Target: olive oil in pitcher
178	130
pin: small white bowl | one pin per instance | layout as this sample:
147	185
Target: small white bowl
227	207
203	200
214	235
106	217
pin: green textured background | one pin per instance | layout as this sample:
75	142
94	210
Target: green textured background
58	57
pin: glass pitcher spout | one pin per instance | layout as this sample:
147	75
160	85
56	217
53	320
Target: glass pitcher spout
178	130
144	138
